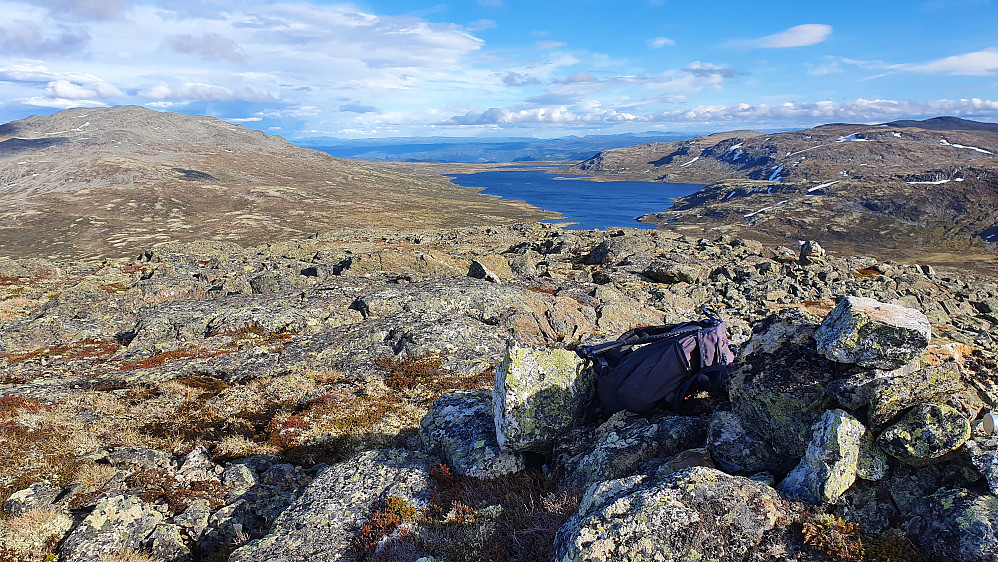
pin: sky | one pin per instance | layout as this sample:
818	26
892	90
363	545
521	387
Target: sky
504	67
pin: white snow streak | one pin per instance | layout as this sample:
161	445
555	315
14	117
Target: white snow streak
944	142
937	182
789	154
823	186
775	176
695	158
764	209
852	138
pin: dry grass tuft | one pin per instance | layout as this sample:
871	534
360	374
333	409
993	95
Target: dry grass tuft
33	535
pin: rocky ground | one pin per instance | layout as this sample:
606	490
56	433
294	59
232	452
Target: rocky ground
366	395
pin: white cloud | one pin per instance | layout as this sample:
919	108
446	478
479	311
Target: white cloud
203	92
27	38
541	115
244	119
69	90
60	103
86	9
978	63
659	42
210	46
860	110
797	36
544	45
27	72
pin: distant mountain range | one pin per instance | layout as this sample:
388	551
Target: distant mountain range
910	186
481	150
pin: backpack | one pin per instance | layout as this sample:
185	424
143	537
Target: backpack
656	366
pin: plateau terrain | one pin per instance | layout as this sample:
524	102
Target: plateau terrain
110	182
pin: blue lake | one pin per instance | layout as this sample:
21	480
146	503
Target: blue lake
592	204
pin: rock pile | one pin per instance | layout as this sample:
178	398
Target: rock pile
855	400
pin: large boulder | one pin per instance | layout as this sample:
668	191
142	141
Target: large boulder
626	441
778	386
116	523
691	515
460	429
925	434
739	451
958	526
829	465
539	395
873	334
319	525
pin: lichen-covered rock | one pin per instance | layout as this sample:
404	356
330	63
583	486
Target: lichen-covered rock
984	455
35	496
889	397
625	442
778	386
460	429
828	468
873	334
320	524
854	390
811	252
925	434
116	523
691	515
739	451
539	395
166	543
490	268
666	272
872	463
958	526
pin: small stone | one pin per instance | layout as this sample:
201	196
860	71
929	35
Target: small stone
239	478
873	334
35	496
810	252
490	268
168	544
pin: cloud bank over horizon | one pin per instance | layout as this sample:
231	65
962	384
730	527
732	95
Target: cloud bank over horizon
303	69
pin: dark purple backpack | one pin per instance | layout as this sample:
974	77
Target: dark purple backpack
661	366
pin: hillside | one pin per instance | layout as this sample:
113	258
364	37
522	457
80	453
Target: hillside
880	188
109	182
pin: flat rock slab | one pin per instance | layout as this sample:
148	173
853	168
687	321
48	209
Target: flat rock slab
694	514
873	334
320	525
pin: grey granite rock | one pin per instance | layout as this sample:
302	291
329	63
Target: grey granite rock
460	429
958	526
116	523
739	451
829	465
694	514
539	395
319	525
873	334
925	434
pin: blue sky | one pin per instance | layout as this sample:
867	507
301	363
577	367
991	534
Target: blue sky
504	67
